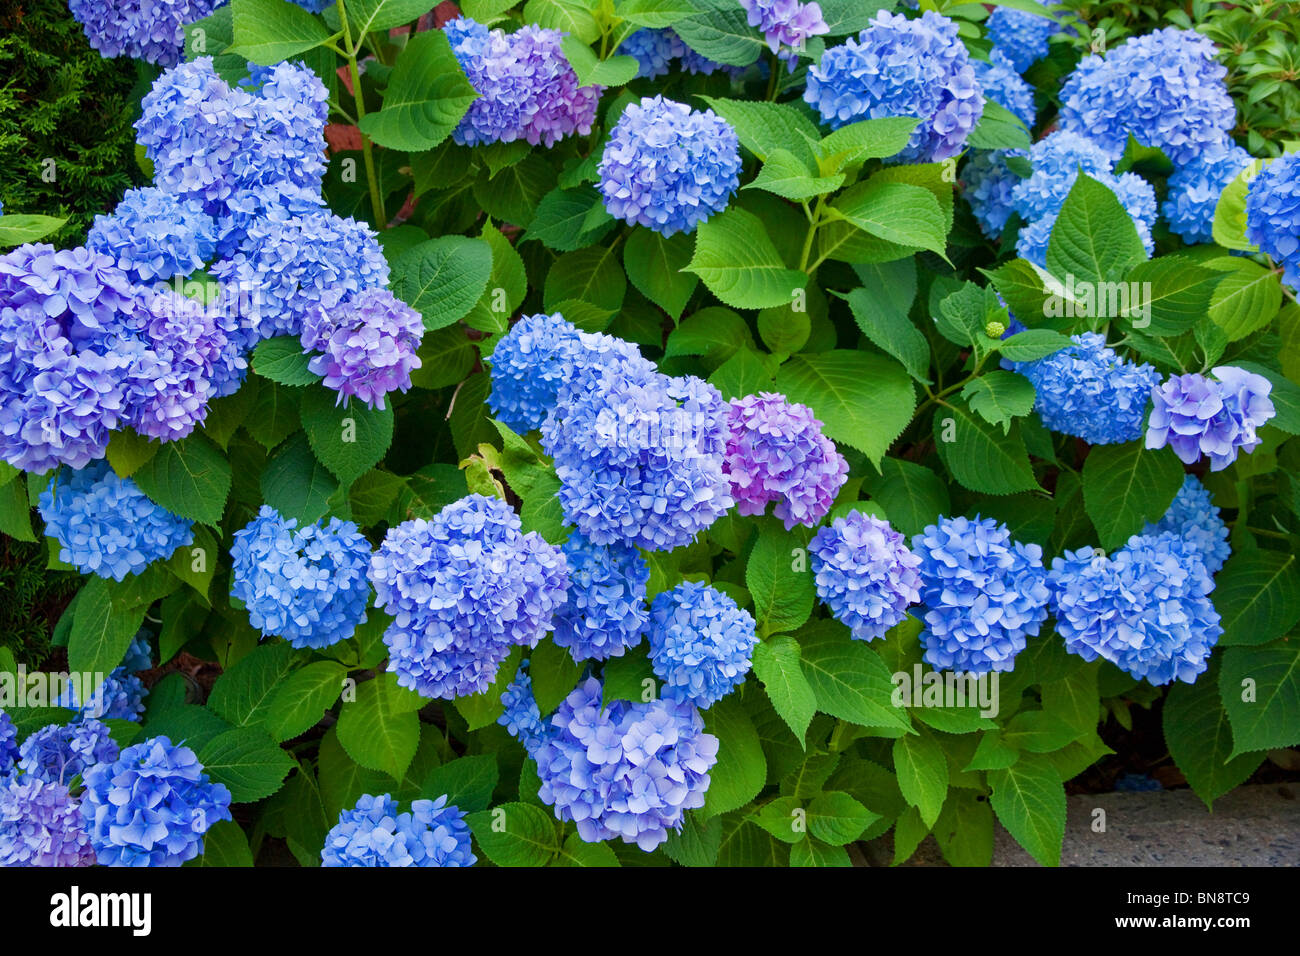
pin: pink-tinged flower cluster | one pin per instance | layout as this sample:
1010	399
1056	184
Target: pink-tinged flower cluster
367	345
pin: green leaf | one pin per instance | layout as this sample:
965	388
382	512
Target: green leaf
784	818
247	761
1257	595
1030	802
561	219
516	834
443	278
1177	293
380	729
590	277
127	451
912	495
697	844
745	373
554	674
979	455
342	780
224	845
268	31
577	852
783	596
777	663
655	13
190	478
741	769
850	680
482	710
836	818
1199	738
296	484
1260	688
863	400
513	195
1032	344
348	440
722	34
964	831
1246	299
1125	486
867	139
493	310
15	512
766	127
739	264
1230	211
890	329
370	15
1093	239
467	782
244	695
654	264
896	212
568	16
16	229
922	774
1285	396
630	677
998	128
1038	732
426	97
298	703
274	415
101	631
283	360
593	71
714	333
447	355
785	175
999	396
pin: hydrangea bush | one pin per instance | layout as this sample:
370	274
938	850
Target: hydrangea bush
619	436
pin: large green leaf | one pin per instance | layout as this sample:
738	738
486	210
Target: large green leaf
737	261
766	127
890	328
896	212
247	761
190	478
101	631
426	97
912	495
1257	595
1199	738
1094	239
1125	486
777	664
296	484
1029	799
302	698
980	455
380	729
516	834
654	263
443	278
348	440
783	596
244	694
268	31
850	680
741	769
1260	688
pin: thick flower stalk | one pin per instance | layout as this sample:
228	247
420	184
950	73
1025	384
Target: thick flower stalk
984	594
865	574
307	585
105	524
1210	417
366	345
463	589
668	167
701	643
373	833
624	770
902	67
605	611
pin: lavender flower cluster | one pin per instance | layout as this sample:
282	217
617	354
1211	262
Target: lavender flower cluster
1215	417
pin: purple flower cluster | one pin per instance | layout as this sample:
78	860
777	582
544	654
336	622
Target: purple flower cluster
668	167
306	585
527	89
1273	214
984	594
1146	608
1166	89
367	345
639	455
1193	517
373	833
776	452
1215	417
902	67
625	770
59	753
41	825
1088	391
1195	188
105	525
701	643
152	806
865	574
604	612
462	590
150	30
787	25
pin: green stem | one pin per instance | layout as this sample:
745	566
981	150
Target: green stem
774	83
367	150
837	736
814	220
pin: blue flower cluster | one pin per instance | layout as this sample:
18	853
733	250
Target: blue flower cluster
153	235
306	585
1000	83
59	753
865	574
152	806
121	694
1193	517
527	89
1089	391
538	355
367	345
625	770
374	834
522	718
604	612
1020	36
787	25
8	743
1273	214
1218	417
639	455
1146	608
902	67
462	590
984	594
701	643
40	825
667	166
105	525
653	50
150	30
1166	89
988	185
1195	188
